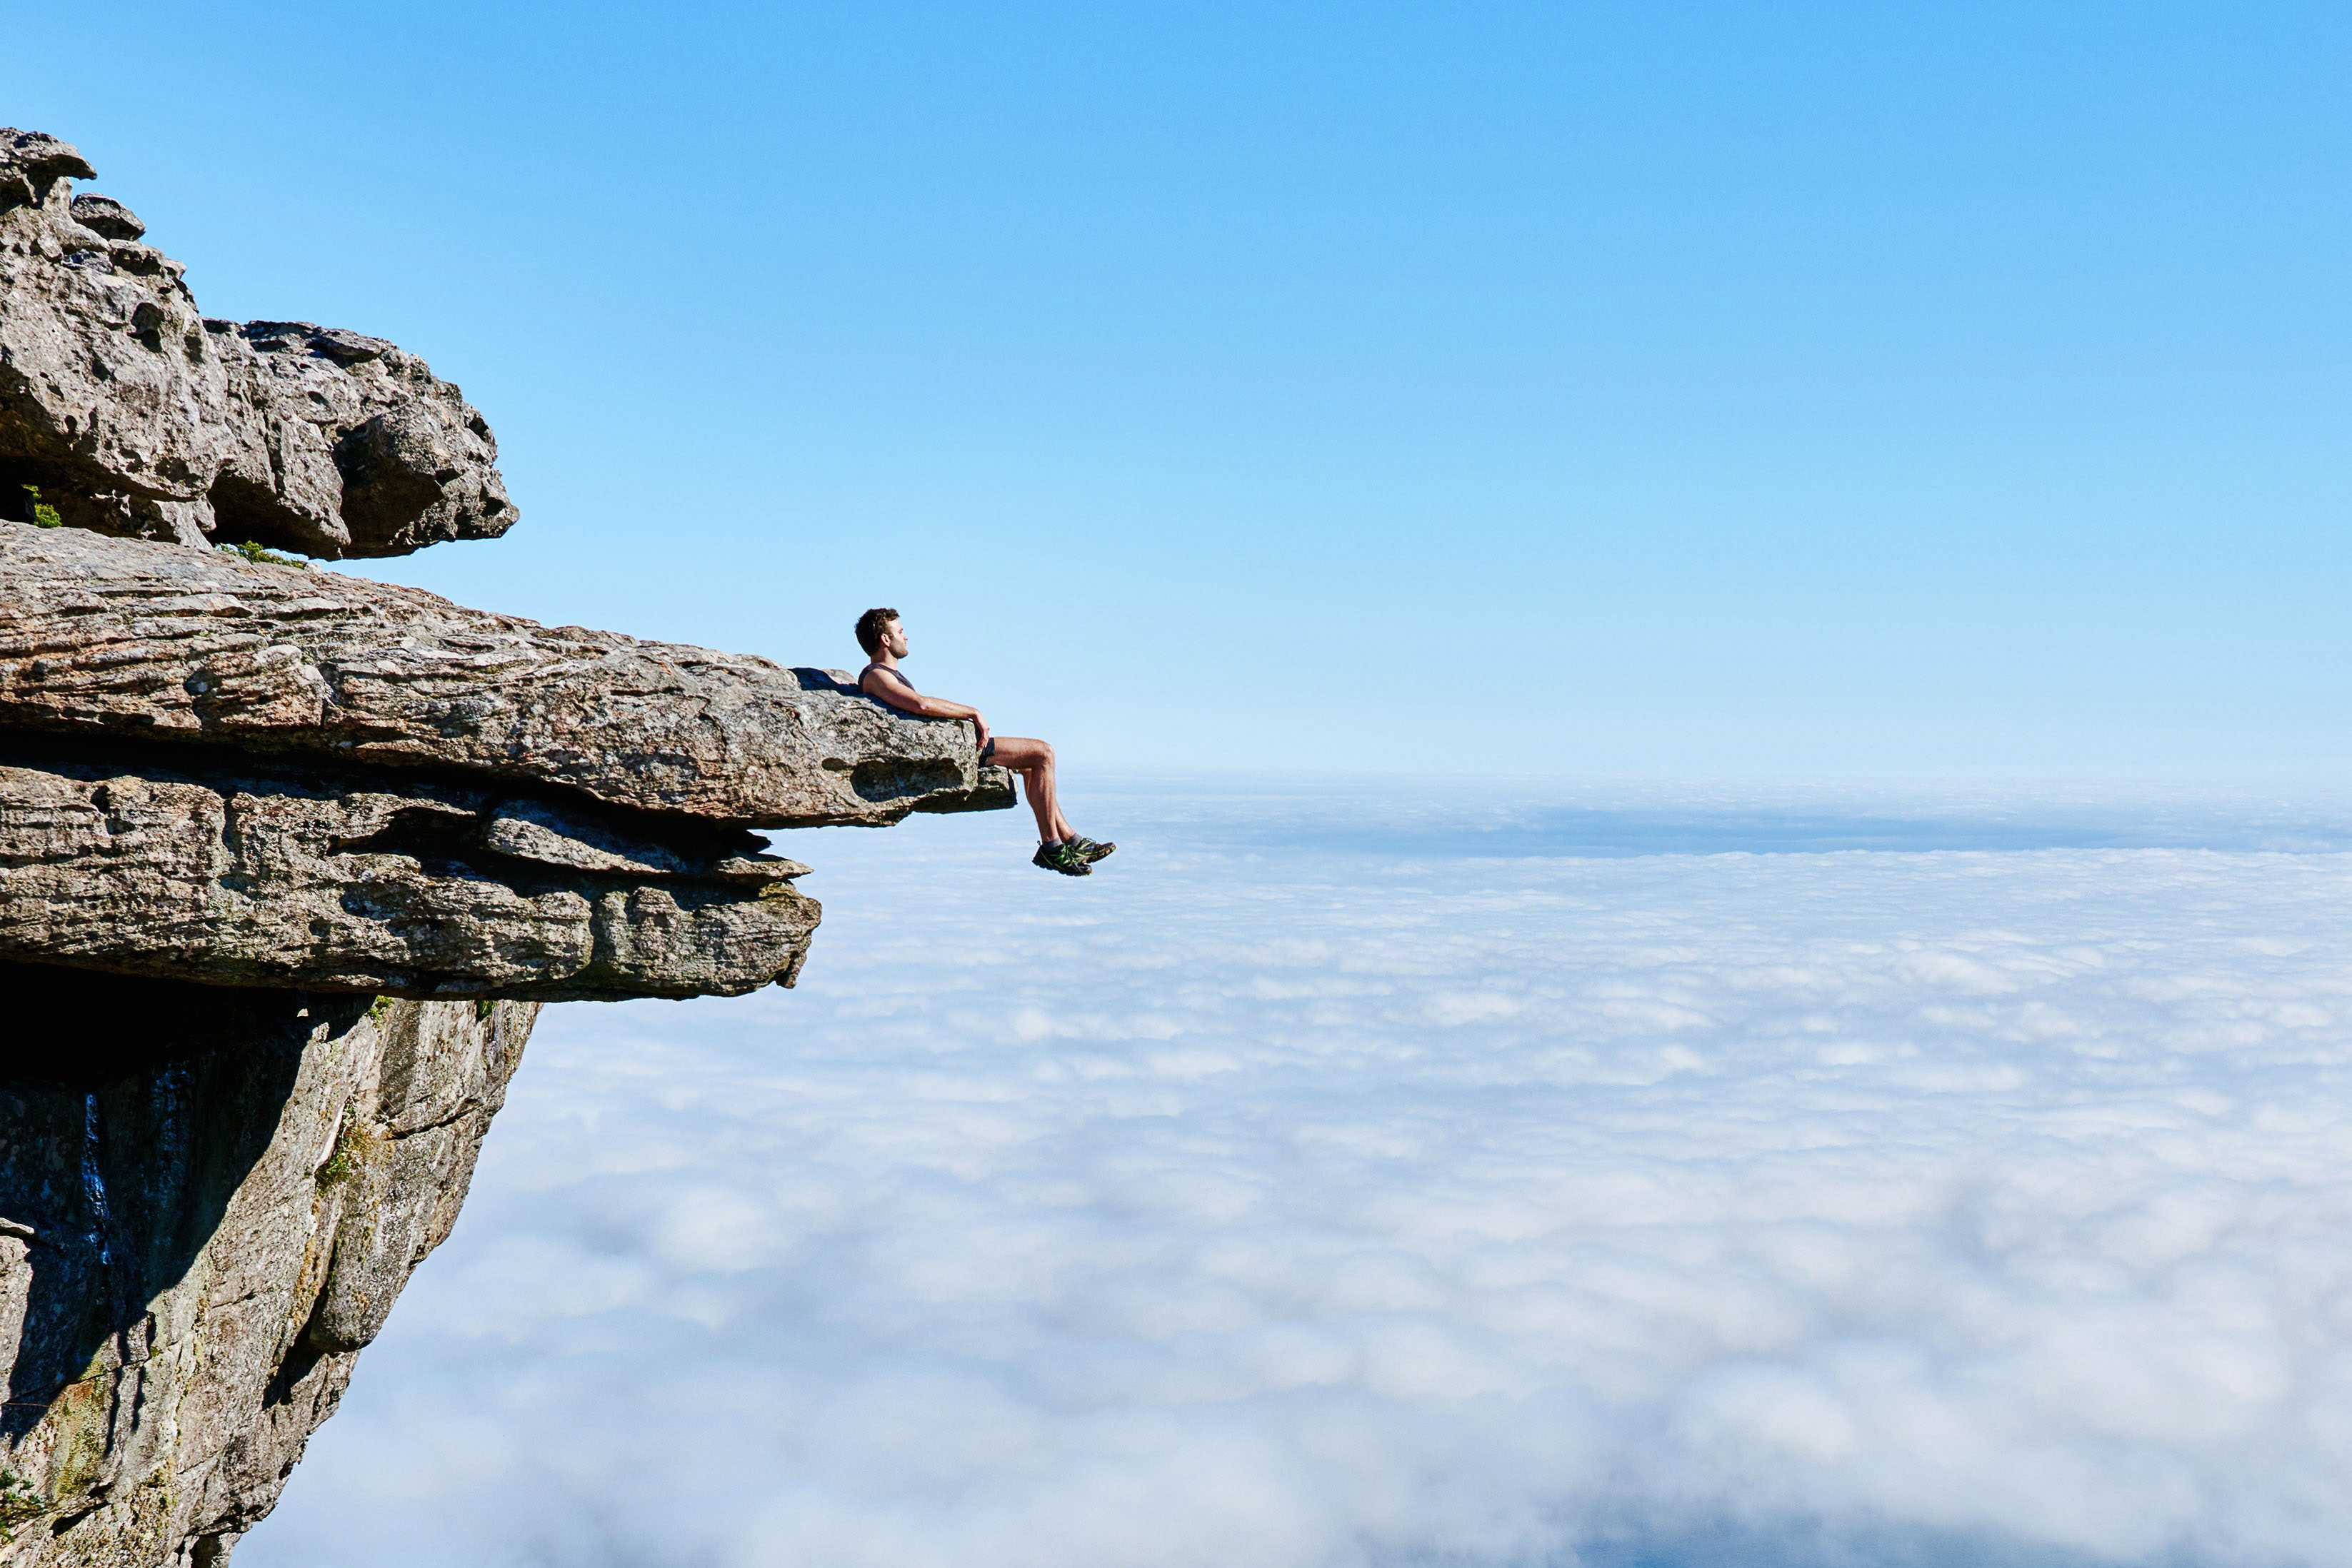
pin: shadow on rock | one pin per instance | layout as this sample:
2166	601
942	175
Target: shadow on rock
210	1200
129	1118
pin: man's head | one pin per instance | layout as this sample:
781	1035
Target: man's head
877	629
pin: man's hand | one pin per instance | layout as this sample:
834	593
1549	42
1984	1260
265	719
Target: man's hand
980	729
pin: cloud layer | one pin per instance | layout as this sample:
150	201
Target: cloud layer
1261	1206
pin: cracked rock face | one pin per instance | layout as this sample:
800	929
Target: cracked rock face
133	414
206	1210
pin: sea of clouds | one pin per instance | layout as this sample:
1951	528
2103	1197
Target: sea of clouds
1331	1183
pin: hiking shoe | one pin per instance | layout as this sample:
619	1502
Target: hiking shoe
1089	850
1063	857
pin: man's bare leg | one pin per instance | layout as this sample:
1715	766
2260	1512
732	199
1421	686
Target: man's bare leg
1033	760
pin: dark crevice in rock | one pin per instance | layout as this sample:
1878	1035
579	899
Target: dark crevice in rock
686	842
372	882
248	511
302	1358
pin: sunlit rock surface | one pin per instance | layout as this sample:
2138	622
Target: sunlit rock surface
127	640
133	413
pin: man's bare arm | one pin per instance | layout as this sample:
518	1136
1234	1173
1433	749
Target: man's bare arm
888	686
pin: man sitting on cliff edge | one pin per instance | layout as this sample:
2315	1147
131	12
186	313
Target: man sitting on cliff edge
1059	849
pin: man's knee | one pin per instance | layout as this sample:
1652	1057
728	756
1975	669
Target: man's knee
1030	758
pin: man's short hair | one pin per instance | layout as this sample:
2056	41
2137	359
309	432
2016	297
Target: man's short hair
870	629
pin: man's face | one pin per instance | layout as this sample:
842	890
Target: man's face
893	639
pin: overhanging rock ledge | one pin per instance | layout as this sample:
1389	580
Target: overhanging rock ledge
251	774
290	862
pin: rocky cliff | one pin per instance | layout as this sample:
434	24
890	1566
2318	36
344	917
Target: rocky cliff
208	1201
289	860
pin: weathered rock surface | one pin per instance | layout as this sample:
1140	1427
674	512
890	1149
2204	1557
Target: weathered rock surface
119	638
329	881
208	1202
135	415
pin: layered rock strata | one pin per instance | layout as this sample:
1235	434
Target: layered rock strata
289	860
260	775
120	639
242	876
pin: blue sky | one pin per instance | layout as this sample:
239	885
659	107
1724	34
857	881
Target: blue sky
1714	390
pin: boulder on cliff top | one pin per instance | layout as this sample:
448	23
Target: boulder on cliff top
32	161
132	414
105	215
